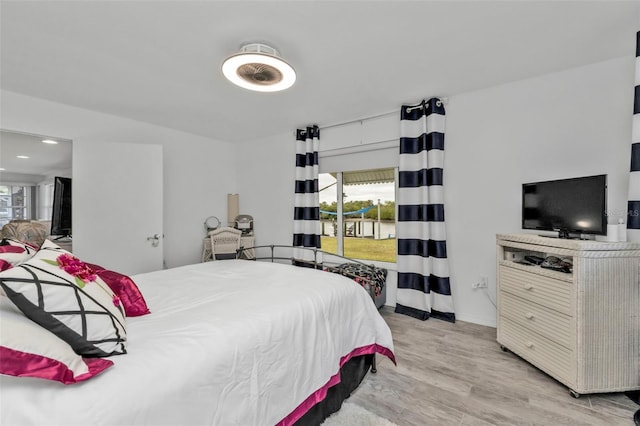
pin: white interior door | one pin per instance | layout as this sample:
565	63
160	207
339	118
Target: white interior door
117	205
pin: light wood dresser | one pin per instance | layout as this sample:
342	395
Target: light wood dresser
582	328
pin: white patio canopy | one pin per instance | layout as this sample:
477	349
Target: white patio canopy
367	176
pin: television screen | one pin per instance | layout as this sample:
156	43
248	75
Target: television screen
576	205
61	216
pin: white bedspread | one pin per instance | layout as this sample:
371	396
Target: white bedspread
227	343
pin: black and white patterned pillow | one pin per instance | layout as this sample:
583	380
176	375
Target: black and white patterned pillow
57	291
28	350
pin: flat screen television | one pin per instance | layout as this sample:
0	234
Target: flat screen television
568	206
61	214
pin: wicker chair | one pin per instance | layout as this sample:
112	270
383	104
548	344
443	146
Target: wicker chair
26	230
225	243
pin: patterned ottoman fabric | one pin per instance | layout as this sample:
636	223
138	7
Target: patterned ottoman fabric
362	274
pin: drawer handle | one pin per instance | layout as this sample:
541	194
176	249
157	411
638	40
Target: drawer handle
528	287
529	315
529	345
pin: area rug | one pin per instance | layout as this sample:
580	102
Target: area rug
354	415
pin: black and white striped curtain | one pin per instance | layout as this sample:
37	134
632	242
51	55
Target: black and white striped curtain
423	268
633	210
306	217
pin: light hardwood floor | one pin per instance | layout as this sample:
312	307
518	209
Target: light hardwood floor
456	374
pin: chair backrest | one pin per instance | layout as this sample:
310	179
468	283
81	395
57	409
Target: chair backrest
26	230
225	243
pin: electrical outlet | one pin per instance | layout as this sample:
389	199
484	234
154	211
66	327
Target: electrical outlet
481	283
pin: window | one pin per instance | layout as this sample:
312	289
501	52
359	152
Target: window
14	203
45	204
366	229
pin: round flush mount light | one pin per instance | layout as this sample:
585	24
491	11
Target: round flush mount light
258	67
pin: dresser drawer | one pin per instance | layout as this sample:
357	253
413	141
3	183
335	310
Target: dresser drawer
552	293
543	353
557	327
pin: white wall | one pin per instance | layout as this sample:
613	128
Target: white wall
572	123
198	172
265	182
566	124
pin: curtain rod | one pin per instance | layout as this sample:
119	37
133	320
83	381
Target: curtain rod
439	103
444	100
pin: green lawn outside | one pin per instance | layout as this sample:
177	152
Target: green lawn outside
363	248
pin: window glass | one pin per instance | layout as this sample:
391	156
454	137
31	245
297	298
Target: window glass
368	219
328	208
14	203
45	205
5	202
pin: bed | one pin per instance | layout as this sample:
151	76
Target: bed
233	342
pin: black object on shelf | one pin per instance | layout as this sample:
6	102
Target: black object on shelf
534	260
556	264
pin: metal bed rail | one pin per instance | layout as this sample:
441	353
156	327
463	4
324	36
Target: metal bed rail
328	261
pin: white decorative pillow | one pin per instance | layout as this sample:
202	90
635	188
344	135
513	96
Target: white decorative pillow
62	294
28	350
15	252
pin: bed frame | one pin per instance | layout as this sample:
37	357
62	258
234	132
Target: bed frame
351	375
329	262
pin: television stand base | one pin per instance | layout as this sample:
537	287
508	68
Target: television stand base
569	237
560	237
63	238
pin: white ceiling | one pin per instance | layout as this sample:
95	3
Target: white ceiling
159	62
44	159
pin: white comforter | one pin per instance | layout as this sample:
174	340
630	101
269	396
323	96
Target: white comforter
227	343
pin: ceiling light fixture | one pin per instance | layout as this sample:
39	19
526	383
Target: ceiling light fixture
50	141
258	67
22	156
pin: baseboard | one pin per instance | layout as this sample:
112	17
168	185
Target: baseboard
489	322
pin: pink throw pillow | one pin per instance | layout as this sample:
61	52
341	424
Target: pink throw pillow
4	265
126	289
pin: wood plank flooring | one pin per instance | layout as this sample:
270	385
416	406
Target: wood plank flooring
456	374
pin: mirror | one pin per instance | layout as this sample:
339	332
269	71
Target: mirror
28	166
